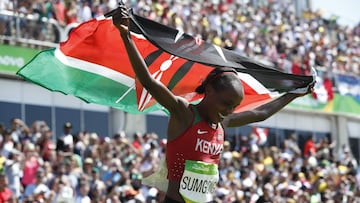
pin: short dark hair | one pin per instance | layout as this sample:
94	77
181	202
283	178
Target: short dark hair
7	132
216	79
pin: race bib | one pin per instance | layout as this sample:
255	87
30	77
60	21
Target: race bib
198	181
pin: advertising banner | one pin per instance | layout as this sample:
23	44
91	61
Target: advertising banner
340	104
348	85
12	58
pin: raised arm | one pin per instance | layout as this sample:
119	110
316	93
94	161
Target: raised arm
261	113
158	90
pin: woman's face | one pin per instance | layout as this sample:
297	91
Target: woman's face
222	103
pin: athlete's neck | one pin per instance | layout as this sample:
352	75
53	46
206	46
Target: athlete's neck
204	114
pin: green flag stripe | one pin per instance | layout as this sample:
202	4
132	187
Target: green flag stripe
94	68
89	86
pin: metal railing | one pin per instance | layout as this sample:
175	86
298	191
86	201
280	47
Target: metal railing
30	30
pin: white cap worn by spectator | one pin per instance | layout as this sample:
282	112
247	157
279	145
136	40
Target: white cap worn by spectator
94	136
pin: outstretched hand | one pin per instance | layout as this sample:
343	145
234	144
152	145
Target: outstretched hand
304	91
121	19
312	84
308	89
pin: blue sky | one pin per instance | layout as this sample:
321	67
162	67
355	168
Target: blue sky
348	10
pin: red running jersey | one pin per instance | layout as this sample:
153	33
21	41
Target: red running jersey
199	142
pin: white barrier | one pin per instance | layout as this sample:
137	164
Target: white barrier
30	29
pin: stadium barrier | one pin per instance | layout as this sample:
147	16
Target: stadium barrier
31	30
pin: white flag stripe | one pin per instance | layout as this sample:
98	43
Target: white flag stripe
221	53
178	35
144	99
94	68
255	84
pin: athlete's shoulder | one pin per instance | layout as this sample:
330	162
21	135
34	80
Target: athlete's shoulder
183	101
181	110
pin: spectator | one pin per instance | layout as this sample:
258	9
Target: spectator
54	193
137	141
47	147
7	145
310	147
37	191
58	12
65	191
19	129
48	173
114	174
84	12
70	12
31	164
5	192
346	157
291	145
80	144
66	141
82	196
88	166
91	149
13	172
97	186
2	130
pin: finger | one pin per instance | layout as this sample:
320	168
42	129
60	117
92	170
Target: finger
124	11
120	17
124	14
122	6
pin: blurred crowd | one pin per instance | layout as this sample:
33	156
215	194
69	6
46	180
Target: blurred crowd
270	31
36	166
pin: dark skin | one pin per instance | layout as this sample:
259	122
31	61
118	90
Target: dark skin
215	107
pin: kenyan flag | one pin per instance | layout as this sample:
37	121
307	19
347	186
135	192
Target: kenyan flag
93	65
